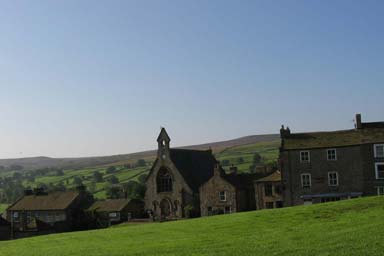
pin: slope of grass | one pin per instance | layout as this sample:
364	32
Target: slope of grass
354	227
3	207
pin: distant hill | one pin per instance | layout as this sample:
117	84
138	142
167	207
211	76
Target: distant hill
81	162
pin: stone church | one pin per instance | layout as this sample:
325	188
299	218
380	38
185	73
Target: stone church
178	175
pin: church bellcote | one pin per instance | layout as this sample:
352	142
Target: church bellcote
163	144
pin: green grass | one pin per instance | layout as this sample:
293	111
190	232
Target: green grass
353	227
3	207
267	150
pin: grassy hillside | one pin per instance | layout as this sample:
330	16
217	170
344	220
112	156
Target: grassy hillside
3	207
354	227
267	149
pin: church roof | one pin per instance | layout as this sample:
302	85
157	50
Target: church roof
196	166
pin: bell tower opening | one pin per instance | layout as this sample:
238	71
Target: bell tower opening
163	144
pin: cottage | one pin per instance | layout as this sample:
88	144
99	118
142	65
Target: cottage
227	193
268	191
39	212
113	211
329	166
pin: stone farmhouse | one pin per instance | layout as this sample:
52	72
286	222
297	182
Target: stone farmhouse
329	166
269	191
38	212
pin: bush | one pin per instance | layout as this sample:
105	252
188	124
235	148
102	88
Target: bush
110	169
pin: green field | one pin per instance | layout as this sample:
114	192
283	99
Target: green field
3	207
353	227
267	150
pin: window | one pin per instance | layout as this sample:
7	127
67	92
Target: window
379	150
306	180
227	209
112	214
331	155
269	205
278	189
380	191
222	196
379	170
333	179
304	157
268	190
164	181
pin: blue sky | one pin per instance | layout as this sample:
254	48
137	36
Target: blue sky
83	78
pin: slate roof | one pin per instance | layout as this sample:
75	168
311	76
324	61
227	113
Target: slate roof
111	205
196	166
241	180
52	201
335	138
273	177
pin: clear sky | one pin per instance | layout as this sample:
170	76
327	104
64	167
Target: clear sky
84	78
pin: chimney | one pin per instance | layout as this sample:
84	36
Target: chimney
39	191
216	169
358	121
233	169
284	132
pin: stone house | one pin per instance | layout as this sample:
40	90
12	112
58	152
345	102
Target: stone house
113	211
268	191
329	166
174	180
227	193
38	212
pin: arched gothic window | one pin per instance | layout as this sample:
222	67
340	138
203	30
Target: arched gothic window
164	181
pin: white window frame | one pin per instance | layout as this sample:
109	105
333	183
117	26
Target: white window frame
224	198
310	180
377	171
375	150
309	156
329	179
380	191
329	159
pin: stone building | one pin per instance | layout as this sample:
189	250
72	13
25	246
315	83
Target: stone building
328	166
227	193
38	212
174	180
268	192
114	211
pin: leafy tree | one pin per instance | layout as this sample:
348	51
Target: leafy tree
141	163
142	178
256	159
240	160
77	181
110	169
225	162
97	176
134	190
113	179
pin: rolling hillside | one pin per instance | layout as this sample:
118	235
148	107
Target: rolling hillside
353	227
75	163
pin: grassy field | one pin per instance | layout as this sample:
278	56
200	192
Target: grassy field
3	207
353	227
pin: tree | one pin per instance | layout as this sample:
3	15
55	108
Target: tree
141	163
135	190
97	176
77	181
240	160
225	162
142	178
256	159
113	179
110	169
